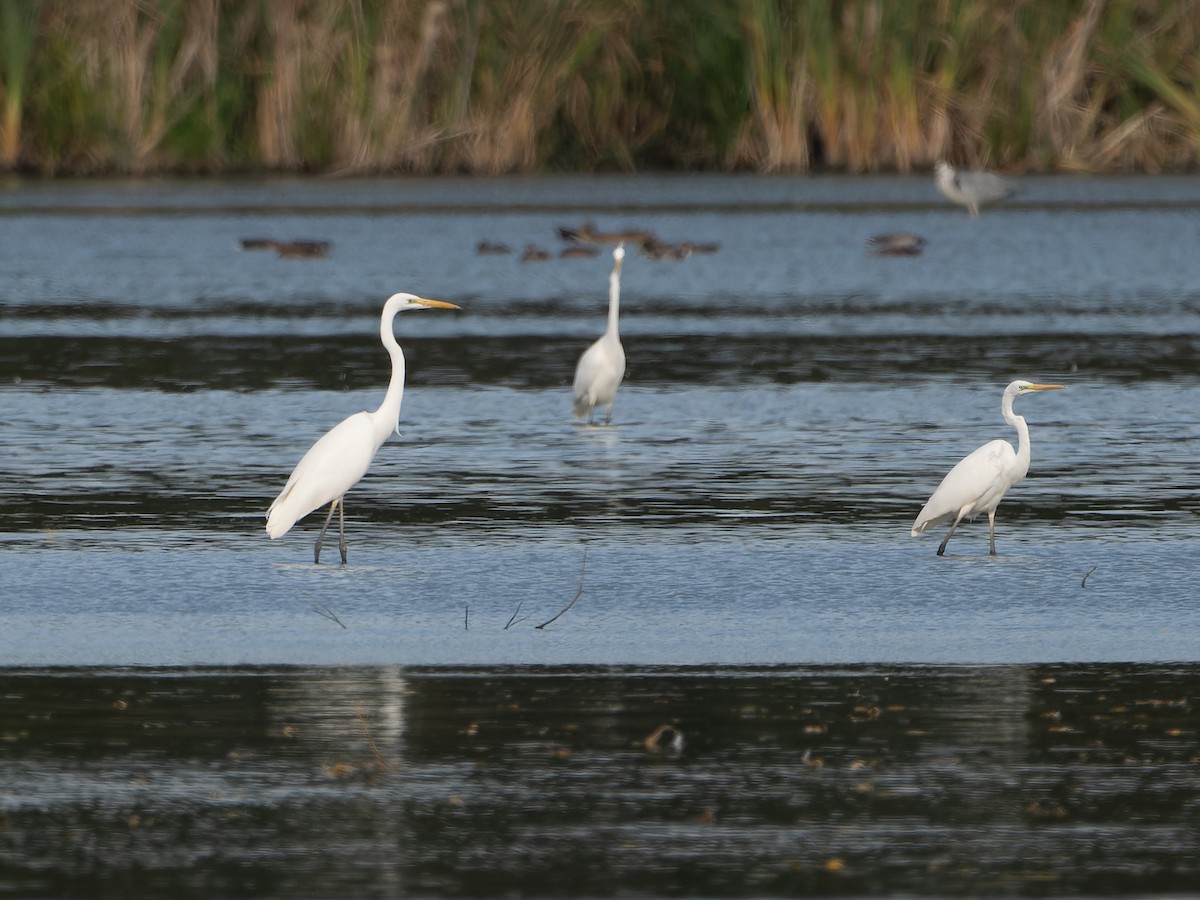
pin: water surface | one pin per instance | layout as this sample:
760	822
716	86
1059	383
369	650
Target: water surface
791	401
467	708
382	782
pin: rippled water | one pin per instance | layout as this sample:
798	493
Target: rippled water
791	401
741	528
859	781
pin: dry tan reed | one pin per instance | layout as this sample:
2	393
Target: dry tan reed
492	86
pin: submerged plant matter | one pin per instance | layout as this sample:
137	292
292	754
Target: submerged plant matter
495	86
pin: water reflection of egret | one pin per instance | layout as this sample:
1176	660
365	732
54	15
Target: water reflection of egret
971	189
602	366
979	481
337	461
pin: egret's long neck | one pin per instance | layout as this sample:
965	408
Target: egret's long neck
614	299
1018	422
388	414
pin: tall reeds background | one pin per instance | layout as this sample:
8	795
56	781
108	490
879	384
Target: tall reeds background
494	86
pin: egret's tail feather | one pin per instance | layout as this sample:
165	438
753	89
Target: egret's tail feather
280	518
277	526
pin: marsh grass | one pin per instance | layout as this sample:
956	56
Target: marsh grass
494	86
18	33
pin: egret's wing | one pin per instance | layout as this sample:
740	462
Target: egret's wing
332	466
972	484
986	186
598	374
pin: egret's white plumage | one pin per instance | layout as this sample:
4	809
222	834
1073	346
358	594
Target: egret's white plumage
602	365
337	461
971	189
979	481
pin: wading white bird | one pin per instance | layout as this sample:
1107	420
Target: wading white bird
602	366
336	462
970	189
979	481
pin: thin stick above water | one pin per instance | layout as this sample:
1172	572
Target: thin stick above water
323	610
578	594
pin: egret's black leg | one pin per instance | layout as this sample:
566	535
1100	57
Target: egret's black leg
342	529
321	536
945	541
992	532
949	534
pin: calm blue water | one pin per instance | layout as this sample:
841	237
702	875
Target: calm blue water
790	403
192	710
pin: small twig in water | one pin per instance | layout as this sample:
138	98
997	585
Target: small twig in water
365	724
1086	574
323	610
514	618
578	594
467	618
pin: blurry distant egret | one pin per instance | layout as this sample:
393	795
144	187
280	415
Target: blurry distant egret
336	462
602	366
979	481
970	189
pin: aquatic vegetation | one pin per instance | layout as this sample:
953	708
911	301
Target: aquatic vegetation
366	86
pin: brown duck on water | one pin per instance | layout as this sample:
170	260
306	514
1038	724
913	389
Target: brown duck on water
301	249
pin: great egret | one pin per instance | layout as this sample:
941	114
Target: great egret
970	189
336	462
602	365
979	481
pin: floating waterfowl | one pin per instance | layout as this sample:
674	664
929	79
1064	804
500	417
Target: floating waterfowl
256	244
579	252
897	243
302	249
587	234
287	249
534	253
488	248
657	250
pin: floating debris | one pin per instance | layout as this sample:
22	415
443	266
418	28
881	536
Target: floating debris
664	739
